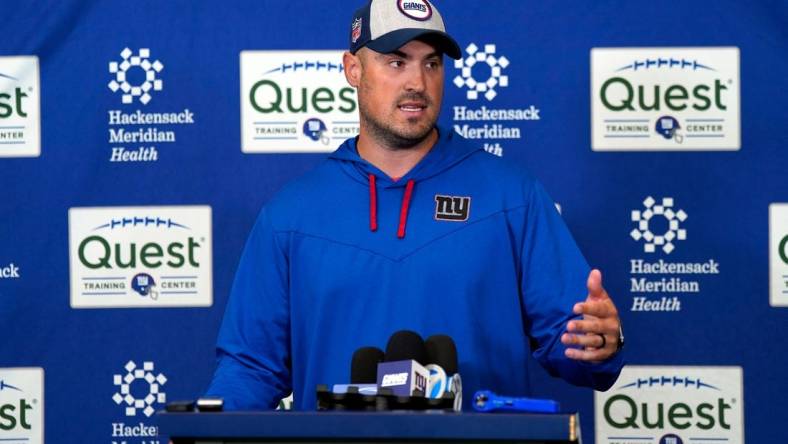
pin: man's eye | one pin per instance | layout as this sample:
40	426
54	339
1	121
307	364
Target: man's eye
395	63
434	64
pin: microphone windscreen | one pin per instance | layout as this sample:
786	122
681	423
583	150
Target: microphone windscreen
364	366
404	345
441	350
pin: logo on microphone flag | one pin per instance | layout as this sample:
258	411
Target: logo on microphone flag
394	380
403	377
438	381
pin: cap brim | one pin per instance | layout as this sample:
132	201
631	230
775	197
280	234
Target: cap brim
396	39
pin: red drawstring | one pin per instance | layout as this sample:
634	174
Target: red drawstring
373	204
403	213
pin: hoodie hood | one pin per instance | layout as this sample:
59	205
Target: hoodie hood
442	156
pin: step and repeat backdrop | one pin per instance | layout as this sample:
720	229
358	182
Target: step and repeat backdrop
138	141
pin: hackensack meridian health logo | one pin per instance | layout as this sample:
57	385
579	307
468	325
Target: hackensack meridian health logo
139	392
295	102
481	87
134	135
778	254
482	75
22	405
147	389
672	232
667	99
146	84
672	405
20	112
140	256
655	283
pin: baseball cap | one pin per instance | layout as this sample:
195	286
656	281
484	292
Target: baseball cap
386	25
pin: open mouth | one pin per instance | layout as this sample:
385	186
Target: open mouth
412	107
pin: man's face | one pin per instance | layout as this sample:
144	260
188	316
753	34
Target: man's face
400	94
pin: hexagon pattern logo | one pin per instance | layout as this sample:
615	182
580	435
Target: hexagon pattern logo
652	212
139	399
475	61
133	85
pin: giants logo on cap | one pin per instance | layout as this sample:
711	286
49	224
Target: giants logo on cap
415	9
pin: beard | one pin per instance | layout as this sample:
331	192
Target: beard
396	136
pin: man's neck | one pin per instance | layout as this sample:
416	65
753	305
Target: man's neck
395	162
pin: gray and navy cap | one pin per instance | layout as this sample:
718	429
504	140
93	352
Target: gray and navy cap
386	25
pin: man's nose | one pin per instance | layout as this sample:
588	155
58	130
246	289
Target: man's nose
416	80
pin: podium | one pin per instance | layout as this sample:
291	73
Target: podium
368	427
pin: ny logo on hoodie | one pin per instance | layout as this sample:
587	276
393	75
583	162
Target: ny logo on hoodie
455	208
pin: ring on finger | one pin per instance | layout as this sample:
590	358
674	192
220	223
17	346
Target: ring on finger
604	341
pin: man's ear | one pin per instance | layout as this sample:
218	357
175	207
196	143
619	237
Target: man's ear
352	65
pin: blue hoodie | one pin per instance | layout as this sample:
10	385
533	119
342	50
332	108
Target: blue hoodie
345	256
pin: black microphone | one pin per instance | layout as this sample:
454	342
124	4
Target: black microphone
441	351
364	365
404	345
442	365
360	393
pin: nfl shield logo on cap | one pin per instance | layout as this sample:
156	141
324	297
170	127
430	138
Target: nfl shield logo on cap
355	30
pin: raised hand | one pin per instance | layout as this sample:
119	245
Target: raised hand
595	337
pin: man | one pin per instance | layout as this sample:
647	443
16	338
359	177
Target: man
408	226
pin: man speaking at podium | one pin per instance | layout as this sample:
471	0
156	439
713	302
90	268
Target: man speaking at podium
409	226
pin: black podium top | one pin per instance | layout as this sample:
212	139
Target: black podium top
368	427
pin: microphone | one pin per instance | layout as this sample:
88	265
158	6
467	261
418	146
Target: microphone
404	345
364	365
363	371
402	370
442	365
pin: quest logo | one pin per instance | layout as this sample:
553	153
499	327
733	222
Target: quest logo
22	405
295	102
140	257
20	107
665	99
671	405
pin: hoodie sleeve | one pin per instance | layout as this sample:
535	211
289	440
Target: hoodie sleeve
253	348
553	279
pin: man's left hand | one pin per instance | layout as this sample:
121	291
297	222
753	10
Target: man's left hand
584	338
